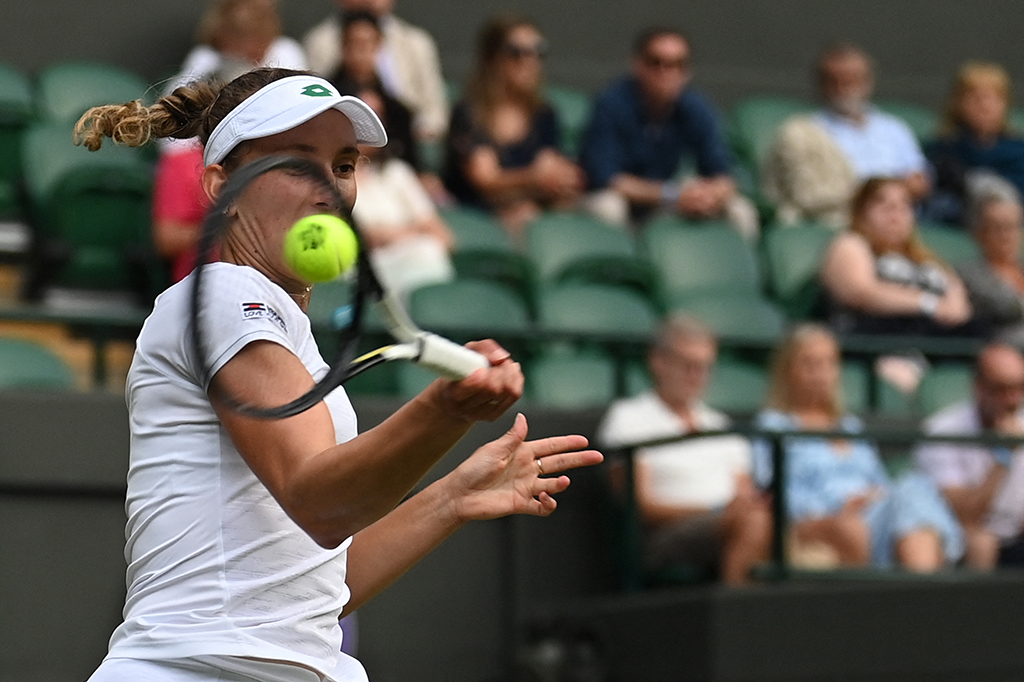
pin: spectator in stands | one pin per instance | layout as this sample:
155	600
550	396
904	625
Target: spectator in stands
647	131
503	151
409	243
695	497
975	142
879	277
817	160
357	73
407	63
984	485
837	491
995	284
234	36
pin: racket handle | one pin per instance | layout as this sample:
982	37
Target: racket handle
448	358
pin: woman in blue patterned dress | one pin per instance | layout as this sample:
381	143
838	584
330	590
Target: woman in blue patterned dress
838	492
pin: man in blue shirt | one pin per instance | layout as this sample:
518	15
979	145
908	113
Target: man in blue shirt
648	126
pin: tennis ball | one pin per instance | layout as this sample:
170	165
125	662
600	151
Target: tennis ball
319	248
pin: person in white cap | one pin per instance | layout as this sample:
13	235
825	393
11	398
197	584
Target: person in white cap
247	538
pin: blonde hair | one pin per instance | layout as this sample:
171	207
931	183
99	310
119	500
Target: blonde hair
189	111
969	76
914	249
780	395
238	18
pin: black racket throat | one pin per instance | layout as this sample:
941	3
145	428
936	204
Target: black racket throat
367	289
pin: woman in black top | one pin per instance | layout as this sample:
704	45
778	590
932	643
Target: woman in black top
503	144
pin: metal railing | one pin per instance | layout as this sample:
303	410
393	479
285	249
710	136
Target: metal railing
779	567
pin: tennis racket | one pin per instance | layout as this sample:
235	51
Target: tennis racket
428	350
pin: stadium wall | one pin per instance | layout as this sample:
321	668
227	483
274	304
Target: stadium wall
743	47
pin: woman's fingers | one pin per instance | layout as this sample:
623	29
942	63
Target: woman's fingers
553	464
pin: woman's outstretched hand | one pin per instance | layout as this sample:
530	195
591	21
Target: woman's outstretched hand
511	475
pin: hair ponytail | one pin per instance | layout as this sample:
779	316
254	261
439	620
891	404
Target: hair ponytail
182	114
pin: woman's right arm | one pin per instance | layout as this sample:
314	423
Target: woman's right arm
848	273
334	490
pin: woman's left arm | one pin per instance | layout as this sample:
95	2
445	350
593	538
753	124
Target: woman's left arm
500	478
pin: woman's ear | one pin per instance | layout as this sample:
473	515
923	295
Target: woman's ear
214	177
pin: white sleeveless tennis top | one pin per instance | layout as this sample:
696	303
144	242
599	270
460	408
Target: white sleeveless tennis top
215	566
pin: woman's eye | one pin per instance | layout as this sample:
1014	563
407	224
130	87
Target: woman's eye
344	168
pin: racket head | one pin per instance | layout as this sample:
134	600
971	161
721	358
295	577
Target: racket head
367	287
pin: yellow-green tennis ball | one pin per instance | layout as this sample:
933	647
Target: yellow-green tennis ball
320	248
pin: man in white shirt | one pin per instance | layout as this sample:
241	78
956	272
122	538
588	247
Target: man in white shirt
984	485
408	62
695	497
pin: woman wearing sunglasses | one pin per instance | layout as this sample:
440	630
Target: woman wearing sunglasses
503	146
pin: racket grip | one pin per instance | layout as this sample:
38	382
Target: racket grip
448	358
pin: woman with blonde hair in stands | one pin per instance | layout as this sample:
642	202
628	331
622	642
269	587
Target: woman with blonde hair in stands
975	152
503	151
838	493
880	278
233	37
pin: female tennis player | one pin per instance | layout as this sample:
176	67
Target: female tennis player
247	538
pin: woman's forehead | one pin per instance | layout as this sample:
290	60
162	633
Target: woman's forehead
330	132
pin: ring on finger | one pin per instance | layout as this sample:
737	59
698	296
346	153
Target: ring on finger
494	402
540	467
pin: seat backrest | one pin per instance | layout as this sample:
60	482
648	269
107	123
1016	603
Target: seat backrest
793	258
96	198
573	109
950	243
597	309
737	387
26	364
571	381
475	230
944	385
705	257
755	120
556	242
67	90
469	307
739	317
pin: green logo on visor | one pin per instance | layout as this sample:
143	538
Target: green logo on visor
316	91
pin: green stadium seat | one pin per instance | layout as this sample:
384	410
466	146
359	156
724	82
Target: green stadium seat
941	386
483	249
689	258
596	309
855	382
65	91
952	244
737	318
470	309
755	120
737	387
571	381
922	120
573	109
15	113
91	212
944	385
792	258
566	247
26	364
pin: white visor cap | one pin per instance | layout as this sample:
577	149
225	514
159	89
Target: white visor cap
285	104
